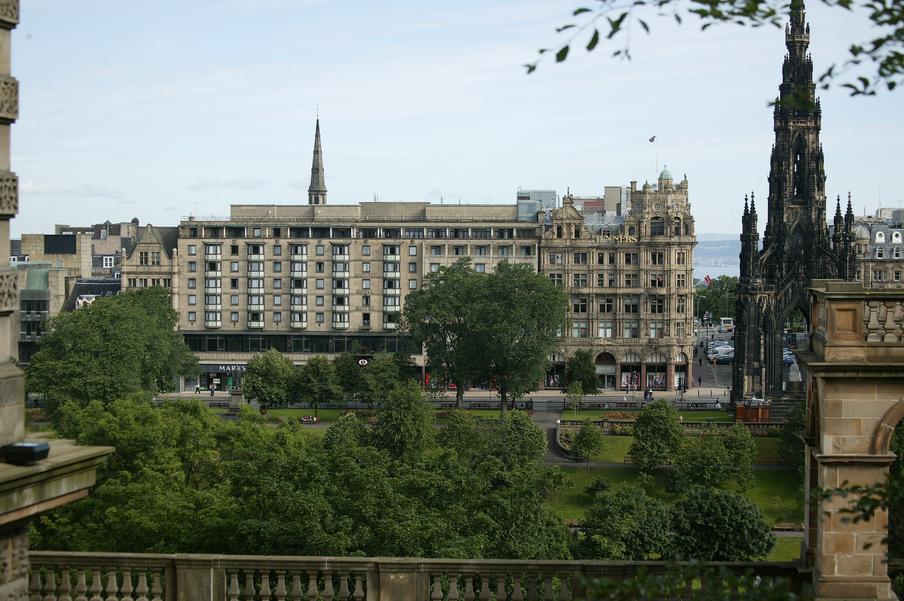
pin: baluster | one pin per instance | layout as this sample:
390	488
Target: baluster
359	587
735	592
81	587
142	589
296	587
34	584
327	586
344	593
65	586
249	586
564	591
517	595
532	587
112	585
126	585
156	587
688	588
469	588
453	588
312	586
280	591
96	587
265	585
232	593
484	588
547	588
500	587
50	585
437	593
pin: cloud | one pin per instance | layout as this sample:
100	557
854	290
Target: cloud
244	183
30	188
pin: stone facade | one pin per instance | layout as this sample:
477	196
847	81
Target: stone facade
152	259
71	252
879	251
854	401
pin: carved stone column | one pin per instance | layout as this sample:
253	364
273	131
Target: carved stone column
855	398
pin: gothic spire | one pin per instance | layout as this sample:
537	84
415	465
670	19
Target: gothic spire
317	189
752	205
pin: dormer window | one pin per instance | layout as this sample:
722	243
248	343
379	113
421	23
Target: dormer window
880	237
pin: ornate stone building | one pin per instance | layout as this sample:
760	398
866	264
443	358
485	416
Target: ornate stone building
796	246
630	288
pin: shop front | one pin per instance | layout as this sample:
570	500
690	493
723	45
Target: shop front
220	376
555	375
630	372
605	371
656	371
681	372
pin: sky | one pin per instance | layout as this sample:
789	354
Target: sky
158	110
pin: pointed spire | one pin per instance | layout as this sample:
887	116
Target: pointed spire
746	209
798	24
838	208
317	189
752	205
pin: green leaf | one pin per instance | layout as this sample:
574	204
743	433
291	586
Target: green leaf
564	27
579	11
530	68
594	40
644	25
562	54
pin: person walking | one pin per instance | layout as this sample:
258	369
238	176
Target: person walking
699	381
701	361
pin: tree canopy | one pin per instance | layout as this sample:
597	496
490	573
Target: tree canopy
315	383
267	378
580	368
114	347
626	524
657	436
718	298
872	64
717	456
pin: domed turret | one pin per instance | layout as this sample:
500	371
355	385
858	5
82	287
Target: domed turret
665	175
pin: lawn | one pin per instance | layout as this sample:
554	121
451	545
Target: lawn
324	415
690	416
615	448
787	548
776	492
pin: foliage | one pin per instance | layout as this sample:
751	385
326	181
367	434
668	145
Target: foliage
657	436
404	425
349	375
245	487
109	349
440	315
792	446
316	383
267	378
624	523
380	377
597	486
885	51
718	298
717	456
574	396
588	442
741	449
711	524
580	368
520	312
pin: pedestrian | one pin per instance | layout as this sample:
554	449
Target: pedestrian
701	361
212	388
699	381
197	389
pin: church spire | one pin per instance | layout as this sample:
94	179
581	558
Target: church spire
317	189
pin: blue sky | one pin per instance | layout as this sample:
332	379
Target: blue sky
160	109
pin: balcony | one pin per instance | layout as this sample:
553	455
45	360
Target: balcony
341	325
255	306
392	258
213	324
159	577
256	325
390	326
214	274
340	257
298	325
340	308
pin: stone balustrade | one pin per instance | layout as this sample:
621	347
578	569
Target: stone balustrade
62	576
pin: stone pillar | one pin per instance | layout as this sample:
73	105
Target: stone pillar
855	398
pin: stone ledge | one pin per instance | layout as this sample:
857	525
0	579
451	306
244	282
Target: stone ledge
855	459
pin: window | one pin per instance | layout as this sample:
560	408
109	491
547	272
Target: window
319	250
657	280
631	259
680	330
298	299
434	267
390	284
233	283
234	250
155	258
192	250
504	251
340	284
879	276
234	316
390	301
192	283
556	258
896	252
340	319
412	284
365	300
607	305
580	280
681	305
255	250
234	266
255	283
556	278
277	266
631	304
657	258
657	329
606	329
109	262
458	250
234	299
880	237
212	299
365	320
580	258
318	300
192	299
277	283
365	284
340	250
256	232
880	252
436	251
192	266
480	267
277	249
579	304
412	251
657	304
318	317
255	300
340	267
365	250
681	280
632	329
481	251
579	329
143	257
277	299
192	316
632	280
526	251
255	267
318	284
390	267
897	276
681	257
412	267
657	226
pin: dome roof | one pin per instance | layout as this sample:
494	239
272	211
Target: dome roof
665	173
861	233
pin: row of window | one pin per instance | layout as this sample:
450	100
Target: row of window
342	250
300	343
295	283
299	267
146	282
628	280
654	257
257	318
391	233
629	330
148	258
629	304
340	302
895	252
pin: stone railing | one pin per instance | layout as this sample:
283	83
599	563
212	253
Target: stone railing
138	577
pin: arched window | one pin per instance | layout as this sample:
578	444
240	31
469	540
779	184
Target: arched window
631	230
657	226
680	359
880	252
897	252
880	237
558	231
896	237
676	227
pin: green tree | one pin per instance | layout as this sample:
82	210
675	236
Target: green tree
574	396
657	436
316	383
346	431
588	442
883	52
580	368
520	313
267	378
440	316
381	376
404	425
718	298
626	524
792	447
702	460
711	524
741	449
77	359
349	374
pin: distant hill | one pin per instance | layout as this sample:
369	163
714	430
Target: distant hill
717	257
711	237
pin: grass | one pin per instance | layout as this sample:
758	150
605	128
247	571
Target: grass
767	449
615	448
787	548
776	492
324	415
690	416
